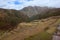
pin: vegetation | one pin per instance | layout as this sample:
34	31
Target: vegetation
47	33
40	36
37	30
10	18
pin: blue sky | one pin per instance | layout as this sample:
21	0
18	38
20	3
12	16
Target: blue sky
19	4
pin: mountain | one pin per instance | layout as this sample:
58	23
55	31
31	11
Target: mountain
30	11
37	12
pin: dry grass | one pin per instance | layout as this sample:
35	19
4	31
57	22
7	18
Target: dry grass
25	30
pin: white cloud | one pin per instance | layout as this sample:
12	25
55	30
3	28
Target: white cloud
9	4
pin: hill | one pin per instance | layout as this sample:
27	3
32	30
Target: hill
10	18
35	30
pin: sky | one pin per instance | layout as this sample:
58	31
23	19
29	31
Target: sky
19	4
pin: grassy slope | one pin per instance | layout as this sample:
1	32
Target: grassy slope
45	35
36	30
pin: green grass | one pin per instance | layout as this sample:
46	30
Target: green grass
40	36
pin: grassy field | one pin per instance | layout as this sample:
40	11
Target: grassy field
45	35
34	30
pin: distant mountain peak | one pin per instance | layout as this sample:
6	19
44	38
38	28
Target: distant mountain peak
33	10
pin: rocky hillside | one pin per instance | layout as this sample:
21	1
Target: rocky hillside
30	11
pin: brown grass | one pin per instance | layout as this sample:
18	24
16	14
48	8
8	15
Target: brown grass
25	30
